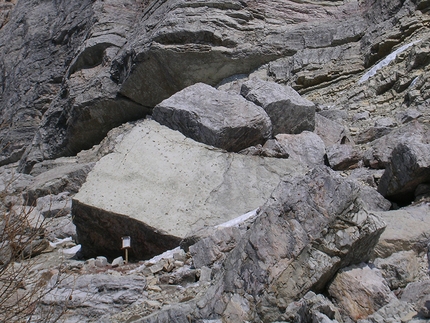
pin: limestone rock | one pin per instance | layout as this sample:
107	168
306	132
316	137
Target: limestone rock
306	147
214	117
93	295
54	205
342	157
395	311
312	307
407	229
316	213
399	269
288	111
379	153
360	291
57	180
155	193
409	167
417	293
331	132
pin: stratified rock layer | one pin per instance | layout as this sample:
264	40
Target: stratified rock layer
159	181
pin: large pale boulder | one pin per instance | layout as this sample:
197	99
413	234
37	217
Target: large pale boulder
158	185
288	111
215	117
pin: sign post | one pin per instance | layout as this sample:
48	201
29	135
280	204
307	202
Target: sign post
126	244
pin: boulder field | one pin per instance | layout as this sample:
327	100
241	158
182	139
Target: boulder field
268	159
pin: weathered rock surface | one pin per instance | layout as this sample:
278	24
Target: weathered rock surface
360	291
409	167
299	209
417	293
288	111
159	185
214	117
100	293
306	147
407	229
342	157
399	269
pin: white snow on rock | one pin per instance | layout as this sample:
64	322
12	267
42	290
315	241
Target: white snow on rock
387	60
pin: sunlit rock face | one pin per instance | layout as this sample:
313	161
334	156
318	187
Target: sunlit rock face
158	185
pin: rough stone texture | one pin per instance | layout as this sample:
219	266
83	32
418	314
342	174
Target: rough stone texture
312	308
128	58
407	229
409	167
418	294
155	187
316	213
395	311
100	293
54	205
306	147
342	157
214	117
288	111
399	269
360	290
379	153
329	131
66	178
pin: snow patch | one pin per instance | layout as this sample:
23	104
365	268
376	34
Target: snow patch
387	60
71	251
240	219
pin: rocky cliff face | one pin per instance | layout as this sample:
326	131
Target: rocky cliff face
269	139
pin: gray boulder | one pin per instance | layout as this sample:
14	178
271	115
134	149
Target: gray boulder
378	155
92	295
54	205
418	294
407	229
399	269
342	157
288	111
312	308
306	147
164	187
409	167
395	311
68	178
331	132
316	213
360	291
214	117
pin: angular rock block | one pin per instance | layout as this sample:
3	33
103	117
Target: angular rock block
360	291
288	111
214	117
306	147
159	185
409	167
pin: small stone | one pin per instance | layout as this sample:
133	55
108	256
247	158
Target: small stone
154	288
90	262
117	262
156	268
205	274
361	116
178	264
101	261
168	266
180	255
